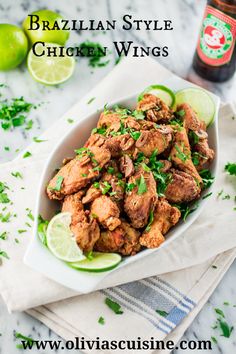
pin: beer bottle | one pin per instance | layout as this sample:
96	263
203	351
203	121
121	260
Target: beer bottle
215	57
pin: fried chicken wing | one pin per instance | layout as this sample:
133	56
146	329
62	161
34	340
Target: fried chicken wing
151	140
155	109
141	199
95	140
201	150
181	156
165	217
182	188
119	145
106	212
83	226
77	173
124	240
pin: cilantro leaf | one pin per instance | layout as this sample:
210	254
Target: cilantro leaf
58	183
162	313
142	186
114	306
231	168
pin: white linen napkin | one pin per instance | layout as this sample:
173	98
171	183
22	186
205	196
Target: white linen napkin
78	317
205	239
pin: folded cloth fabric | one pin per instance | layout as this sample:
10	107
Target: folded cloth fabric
206	238
151	308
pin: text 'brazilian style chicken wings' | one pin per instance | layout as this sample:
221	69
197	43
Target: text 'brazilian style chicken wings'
126	187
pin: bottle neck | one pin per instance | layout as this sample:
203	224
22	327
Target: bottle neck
227	6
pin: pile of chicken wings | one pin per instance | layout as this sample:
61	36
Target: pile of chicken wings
124	186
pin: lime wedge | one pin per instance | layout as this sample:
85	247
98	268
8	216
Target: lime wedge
60	239
50	70
200	101
160	91
100	262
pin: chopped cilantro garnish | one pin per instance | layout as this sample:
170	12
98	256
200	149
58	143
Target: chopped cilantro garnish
17	174
162	313
105	187
138	114
207	195
214	340
225	328
101	131
185	210
90	255
11	112
29	214
27	154
150	221
220	312
95	52
42	229
207	178
111	170
181	154
21	231
58	183
6	148
6	217
69	120
194	138
96	184
4	254
4	198
129	187
135	134
36	140
226	303
231	168
114	306
91	100
28	340
142	186
181	113
3	236
101	320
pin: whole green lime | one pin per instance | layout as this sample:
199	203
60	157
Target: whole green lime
13	46
39	21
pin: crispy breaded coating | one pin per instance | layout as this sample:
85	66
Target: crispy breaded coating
78	173
138	205
106	212
155	109
84	227
165	217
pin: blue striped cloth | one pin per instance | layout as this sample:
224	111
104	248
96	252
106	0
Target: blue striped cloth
149	296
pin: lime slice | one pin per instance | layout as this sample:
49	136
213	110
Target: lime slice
50	70
100	262
160	91
200	101
60	239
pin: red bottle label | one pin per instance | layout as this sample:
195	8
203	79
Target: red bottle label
217	37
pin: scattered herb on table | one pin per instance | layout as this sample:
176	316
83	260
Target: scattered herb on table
225	328
27	340
231	168
226	303
5	217
214	340
162	313
36	140
13	113
21	231
29	214
17	174
91	100
220	312
27	154
207	195
101	320
3	236
95	52
69	120
114	306
4	254
3	195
